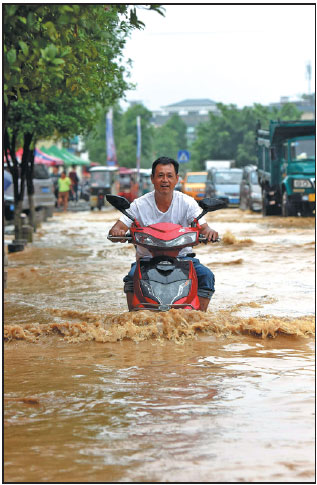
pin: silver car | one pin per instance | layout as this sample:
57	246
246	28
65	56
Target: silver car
44	197
250	190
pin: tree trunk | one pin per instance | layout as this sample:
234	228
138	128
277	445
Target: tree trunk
32	220
29	177
17	221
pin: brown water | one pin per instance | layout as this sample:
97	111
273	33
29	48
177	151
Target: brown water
94	393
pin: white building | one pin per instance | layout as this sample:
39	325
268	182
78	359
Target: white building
191	111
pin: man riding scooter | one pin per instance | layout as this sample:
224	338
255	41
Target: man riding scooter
166	205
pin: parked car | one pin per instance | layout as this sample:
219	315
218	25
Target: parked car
224	184
250	190
194	184
44	197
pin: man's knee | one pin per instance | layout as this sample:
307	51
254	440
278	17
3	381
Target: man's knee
128	286
128	280
206	280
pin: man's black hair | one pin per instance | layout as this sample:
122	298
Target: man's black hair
165	161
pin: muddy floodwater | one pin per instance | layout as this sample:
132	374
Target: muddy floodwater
93	393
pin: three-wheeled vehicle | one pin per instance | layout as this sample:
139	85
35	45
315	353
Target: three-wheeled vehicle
103	181
128	184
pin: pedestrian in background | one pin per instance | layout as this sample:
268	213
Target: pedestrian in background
75	180
64	185
55	176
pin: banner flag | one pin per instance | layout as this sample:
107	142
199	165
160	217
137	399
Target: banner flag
111	149
138	146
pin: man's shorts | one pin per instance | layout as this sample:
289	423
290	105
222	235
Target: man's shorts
206	278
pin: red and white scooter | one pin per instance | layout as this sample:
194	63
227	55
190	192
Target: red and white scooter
164	281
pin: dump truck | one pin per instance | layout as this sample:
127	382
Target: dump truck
286	167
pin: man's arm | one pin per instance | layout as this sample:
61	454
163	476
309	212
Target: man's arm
209	233
119	229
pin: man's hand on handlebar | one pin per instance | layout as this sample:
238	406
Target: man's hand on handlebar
117	233
209	233
119	229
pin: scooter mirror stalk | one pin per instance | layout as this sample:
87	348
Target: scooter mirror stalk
210	205
119	203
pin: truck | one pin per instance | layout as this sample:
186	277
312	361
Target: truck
286	167
218	164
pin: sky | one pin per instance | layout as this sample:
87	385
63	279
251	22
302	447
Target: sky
239	54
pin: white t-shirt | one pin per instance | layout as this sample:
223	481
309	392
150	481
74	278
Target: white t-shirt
182	210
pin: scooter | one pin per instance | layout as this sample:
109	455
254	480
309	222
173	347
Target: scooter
164	281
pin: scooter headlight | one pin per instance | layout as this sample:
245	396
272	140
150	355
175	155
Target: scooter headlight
145	239
183	240
148	240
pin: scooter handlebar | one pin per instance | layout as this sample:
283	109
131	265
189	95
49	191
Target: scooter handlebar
119	238
128	238
203	239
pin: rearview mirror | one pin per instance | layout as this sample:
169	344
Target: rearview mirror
119	203
209	205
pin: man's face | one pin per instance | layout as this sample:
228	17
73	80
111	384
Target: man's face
164	178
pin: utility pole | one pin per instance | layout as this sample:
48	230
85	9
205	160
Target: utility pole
308	75
138	149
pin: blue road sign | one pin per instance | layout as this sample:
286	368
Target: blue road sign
183	156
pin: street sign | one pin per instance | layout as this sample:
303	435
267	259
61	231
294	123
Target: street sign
183	156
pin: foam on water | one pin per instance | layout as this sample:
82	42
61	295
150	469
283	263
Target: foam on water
175	325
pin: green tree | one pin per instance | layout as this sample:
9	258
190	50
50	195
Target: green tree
165	142
62	116
55	50
78	44
170	138
179	128
126	139
125	135
231	134
95	140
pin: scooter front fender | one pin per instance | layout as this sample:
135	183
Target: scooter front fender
161	288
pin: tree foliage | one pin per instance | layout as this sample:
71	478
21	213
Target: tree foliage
125	135
52	47
60	62
127	139
231	134
170	138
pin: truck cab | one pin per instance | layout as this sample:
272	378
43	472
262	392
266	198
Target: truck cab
286	167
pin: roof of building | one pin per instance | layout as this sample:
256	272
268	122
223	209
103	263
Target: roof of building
189	119
191	102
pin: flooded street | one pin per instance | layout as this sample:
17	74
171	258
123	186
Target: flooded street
93	393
